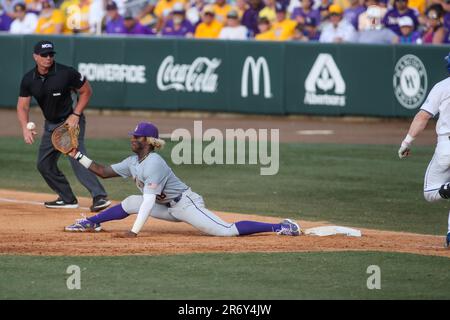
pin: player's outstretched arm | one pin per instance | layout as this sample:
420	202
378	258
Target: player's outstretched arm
102	171
144	212
99	169
142	216
417	126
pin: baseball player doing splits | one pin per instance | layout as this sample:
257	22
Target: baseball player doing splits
437	177
164	196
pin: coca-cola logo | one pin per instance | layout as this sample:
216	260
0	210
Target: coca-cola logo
199	76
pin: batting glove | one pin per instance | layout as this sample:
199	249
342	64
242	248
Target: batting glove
404	150
405	147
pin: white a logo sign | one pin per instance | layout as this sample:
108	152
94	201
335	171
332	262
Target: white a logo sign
256	68
323	78
74	280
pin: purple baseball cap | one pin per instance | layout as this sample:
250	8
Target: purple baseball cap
145	129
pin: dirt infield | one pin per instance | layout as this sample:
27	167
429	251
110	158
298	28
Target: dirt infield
27	228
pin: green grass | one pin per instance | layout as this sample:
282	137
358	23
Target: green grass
233	276
355	185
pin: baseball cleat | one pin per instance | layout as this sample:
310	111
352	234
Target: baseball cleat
447	241
99	203
289	228
83	225
60	203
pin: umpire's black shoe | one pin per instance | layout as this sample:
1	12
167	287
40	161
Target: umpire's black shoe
60	203
99	203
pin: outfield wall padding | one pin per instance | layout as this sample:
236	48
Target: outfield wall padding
238	76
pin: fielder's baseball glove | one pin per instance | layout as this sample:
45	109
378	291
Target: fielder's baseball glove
65	138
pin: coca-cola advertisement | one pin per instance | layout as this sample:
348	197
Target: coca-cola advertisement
198	76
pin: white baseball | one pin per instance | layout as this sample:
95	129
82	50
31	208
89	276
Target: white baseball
31	126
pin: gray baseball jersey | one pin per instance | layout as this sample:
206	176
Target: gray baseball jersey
152	176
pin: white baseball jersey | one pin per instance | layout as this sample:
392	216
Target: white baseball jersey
438	101
152	176
438	171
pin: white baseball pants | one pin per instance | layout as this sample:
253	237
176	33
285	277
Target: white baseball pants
438	171
190	209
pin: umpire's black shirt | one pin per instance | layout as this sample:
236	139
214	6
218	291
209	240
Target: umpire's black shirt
53	91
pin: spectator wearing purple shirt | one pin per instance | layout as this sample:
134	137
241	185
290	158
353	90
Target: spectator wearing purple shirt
383	3
407	29
250	17
5	20
351	14
114	22
323	9
447	20
133	27
306	10
307	31
284	2
400	9
178	26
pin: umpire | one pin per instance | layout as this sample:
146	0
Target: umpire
55	87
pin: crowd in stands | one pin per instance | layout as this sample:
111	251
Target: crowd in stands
357	21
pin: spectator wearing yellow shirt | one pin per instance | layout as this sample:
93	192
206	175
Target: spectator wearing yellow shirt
164	6
269	11
77	17
209	27
284	28
163	10
221	9
67	3
51	20
419	5
266	33
67	7
344	4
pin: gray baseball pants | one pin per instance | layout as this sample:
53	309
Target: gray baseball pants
47	164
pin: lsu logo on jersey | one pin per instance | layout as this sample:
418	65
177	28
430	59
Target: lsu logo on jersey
139	183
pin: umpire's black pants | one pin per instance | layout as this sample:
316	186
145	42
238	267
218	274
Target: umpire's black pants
47	165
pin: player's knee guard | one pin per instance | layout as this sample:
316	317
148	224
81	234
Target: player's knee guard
444	191
132	204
